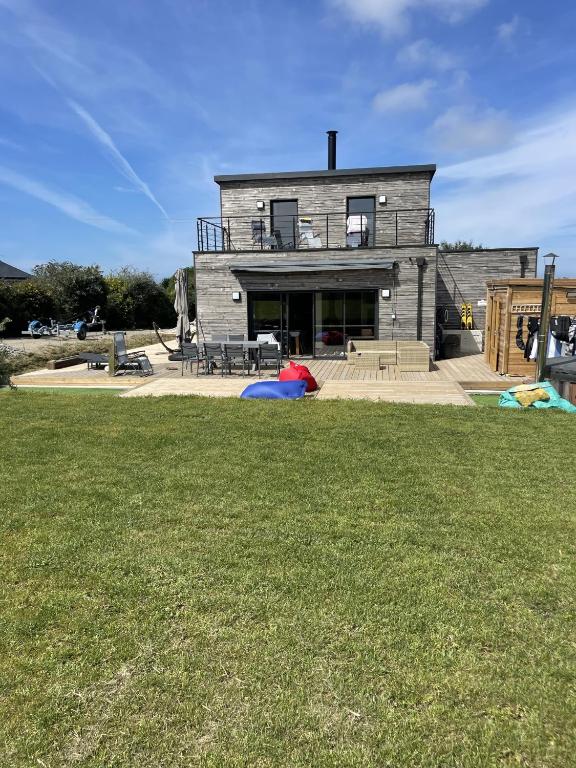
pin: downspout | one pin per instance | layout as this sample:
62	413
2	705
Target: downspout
421	263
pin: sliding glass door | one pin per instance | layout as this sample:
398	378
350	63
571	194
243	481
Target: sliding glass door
342	315
315	323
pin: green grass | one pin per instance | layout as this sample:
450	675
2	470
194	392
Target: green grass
490	401
203	582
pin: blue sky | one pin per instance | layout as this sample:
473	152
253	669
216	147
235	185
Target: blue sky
114	117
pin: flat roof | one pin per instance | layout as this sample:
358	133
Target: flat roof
431	169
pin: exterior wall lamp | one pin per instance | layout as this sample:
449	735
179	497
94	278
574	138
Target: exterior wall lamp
236	296
382	200
260	205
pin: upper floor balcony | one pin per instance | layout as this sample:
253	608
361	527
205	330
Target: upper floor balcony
370	229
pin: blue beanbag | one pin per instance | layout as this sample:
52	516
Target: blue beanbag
275	390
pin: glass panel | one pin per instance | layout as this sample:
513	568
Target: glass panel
360	308
300	313
329	339
284	225
265	313
360	221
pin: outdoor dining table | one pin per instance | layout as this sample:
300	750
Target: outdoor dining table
249	346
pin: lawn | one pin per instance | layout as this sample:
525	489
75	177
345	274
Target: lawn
238	583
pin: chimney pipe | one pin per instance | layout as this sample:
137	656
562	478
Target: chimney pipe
331	150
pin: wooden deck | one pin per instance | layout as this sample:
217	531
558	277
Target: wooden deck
470	372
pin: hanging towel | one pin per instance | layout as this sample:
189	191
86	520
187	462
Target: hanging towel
560	327
532	342
519	332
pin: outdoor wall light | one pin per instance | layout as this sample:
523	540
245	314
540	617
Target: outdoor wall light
382	200
260	205
385	293
236	296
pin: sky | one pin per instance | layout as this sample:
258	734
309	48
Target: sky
114	117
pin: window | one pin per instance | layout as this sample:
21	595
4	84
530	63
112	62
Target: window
360	221
284	223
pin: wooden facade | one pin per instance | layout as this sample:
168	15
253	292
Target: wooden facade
406	293
462	278
506	301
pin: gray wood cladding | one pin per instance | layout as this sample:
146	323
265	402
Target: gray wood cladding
462	277
220	314
404	191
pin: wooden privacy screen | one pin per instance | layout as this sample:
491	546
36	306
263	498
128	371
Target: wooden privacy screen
506	301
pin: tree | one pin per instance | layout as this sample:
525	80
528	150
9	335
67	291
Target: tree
74	288
136	300
25	301
460	245
168	284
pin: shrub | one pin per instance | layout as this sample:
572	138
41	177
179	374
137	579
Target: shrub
73	288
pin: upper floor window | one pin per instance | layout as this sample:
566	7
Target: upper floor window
284	223
360	220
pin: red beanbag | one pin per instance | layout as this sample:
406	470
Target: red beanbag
299	373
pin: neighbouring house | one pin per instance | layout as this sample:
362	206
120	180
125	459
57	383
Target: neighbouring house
10	274
321	257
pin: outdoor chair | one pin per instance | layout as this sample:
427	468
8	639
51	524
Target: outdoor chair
213	357
269	355
236	337
219	337
259	236
235	354
357	232
308	238
135	360
190	354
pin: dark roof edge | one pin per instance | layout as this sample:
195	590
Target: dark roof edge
431	169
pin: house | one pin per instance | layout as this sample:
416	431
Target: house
12	274
325	256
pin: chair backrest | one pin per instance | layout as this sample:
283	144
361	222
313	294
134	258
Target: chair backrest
234	350
189	350
120	346
258	230
269	352
236	337
356	223
305	225
218	337
212	350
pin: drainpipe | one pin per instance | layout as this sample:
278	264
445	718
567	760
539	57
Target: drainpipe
420	263
549	271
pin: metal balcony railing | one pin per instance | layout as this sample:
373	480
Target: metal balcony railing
372	229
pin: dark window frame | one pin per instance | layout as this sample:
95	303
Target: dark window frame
294	244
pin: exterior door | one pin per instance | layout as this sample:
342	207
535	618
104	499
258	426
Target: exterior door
284	223
493	341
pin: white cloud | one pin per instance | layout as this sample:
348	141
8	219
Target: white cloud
71	206
424	53
508	29
392	16
118	160
523	195
403	98
461	129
